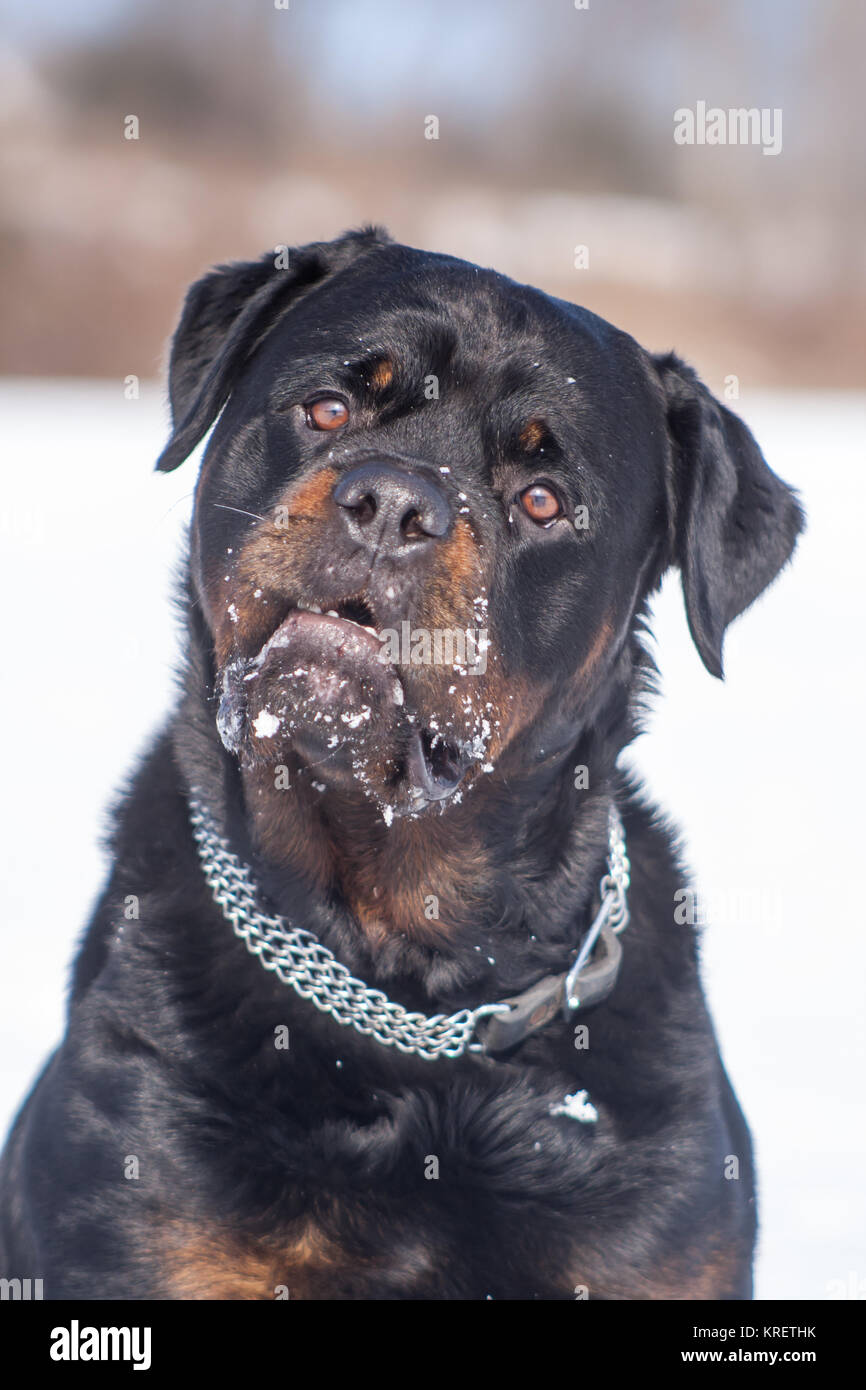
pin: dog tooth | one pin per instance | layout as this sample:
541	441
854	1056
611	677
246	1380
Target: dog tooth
331	613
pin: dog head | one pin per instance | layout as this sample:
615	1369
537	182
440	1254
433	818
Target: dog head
431	511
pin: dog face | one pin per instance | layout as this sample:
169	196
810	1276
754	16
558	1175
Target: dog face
431	511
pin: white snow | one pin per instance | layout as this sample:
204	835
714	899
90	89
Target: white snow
764	774
265	725
576	1107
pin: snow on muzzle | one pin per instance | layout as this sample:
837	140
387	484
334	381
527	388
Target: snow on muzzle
320	687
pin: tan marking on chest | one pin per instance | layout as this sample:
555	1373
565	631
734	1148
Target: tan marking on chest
214	1265
696	1277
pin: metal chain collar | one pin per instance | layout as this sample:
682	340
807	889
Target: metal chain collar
613	911
299	959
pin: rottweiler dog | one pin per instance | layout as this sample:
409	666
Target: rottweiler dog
387	995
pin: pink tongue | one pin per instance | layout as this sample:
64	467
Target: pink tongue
336	636
336	660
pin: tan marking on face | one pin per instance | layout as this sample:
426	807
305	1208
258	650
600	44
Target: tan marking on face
600	643
268	566
307	500
509	703
382	374
456	578
518	702
532	434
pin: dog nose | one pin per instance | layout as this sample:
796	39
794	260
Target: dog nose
391	509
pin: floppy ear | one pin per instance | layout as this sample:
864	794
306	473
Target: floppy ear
226	315
735	522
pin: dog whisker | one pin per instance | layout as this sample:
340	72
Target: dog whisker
176	503
240	511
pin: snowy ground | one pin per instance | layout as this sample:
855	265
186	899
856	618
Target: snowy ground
765	773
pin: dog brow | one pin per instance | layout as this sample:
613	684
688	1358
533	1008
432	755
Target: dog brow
368	377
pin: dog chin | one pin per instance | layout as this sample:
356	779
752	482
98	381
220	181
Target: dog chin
319	690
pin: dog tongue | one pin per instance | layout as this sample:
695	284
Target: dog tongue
323	635
318	683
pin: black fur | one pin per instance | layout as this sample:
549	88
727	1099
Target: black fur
258	1170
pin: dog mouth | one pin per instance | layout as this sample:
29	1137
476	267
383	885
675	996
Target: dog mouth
436	766
321	686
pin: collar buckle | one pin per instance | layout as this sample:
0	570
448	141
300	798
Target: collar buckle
583	986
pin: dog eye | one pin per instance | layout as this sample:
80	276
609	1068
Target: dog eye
541	504
327	413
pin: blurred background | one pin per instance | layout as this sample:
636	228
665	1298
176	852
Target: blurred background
260	126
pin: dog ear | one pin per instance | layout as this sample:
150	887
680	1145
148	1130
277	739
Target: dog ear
735	523
226	315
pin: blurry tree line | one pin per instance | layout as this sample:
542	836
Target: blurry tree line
261	124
